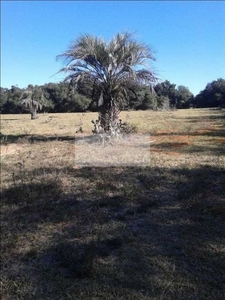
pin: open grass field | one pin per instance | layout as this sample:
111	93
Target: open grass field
118	231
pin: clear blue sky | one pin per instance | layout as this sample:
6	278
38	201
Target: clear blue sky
188	37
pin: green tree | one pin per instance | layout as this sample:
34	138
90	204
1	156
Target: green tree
212	96
163	102
147	99
3	99
183	97
9	100
167	89
110	69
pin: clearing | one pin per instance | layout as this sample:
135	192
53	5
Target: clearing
82	220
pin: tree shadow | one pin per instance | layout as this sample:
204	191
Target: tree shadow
211	132
165	227
10	119
215	133
182	147
31	138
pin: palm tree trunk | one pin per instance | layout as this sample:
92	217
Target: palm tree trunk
34	114
109	117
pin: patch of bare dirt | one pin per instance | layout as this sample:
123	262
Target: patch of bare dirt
165	152
222	140
164	143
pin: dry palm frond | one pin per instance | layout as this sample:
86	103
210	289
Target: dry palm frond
30	104
111	67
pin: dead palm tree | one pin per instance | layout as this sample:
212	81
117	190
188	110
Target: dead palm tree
112	68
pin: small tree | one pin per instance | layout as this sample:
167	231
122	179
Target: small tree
110	69
32	99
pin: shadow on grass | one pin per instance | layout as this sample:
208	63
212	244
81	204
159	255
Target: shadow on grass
21	138
217	148
159	236
210	118
11	119
214	133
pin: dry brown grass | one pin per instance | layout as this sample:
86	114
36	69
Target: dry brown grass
115	232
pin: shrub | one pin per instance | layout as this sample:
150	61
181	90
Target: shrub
127	127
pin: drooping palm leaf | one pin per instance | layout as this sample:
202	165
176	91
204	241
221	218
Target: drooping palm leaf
30	104
33	100
111	67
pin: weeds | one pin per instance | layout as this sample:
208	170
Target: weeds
129	128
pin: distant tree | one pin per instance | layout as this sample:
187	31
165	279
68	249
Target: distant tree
163	102
27	102
167	89
9	100
3	98
32	100
179	97
212	96
147	99
110	69
183	97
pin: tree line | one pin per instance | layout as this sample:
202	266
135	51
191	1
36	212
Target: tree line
64	97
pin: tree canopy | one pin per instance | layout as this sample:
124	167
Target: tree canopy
110	68
212	96
62	97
